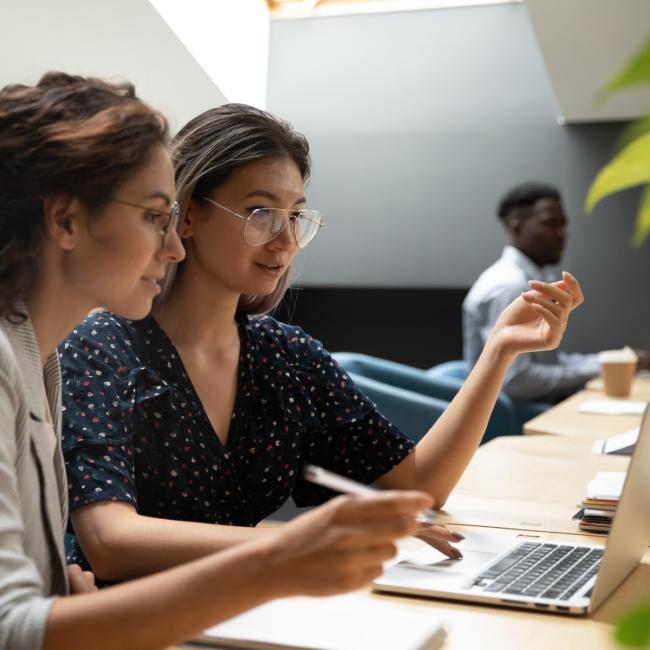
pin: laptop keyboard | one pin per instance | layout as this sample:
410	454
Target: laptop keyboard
541	570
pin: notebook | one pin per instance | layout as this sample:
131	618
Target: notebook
355	621
621	444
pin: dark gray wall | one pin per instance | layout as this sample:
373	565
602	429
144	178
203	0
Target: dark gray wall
418	121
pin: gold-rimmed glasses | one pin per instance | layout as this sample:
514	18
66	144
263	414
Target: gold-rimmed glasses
263	225
162	220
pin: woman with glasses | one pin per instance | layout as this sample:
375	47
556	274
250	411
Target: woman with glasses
206	411
87	218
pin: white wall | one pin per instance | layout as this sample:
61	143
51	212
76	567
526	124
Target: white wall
418	123
118	38
584	43
229	38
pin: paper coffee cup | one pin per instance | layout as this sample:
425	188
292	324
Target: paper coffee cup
618	368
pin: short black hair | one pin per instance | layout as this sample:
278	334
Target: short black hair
525	196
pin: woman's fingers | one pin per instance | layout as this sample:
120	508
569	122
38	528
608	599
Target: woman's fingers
390	503
440	537
378	531
549	316
533	297
440	545
80	581
573	288
552	292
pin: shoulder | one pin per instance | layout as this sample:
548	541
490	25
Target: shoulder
502	280
284	340
101	325
8	361
102	338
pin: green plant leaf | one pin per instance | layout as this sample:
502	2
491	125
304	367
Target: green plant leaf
635	73
629	168
633	131
633	628
642	228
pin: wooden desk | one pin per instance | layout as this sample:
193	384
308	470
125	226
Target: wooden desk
565	420
482	626
531	483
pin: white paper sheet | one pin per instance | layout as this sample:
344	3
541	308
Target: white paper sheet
612	407
606	485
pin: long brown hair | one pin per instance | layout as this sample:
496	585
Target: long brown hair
67	135
210	147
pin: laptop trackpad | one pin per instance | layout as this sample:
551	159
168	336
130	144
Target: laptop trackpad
453	571
479	550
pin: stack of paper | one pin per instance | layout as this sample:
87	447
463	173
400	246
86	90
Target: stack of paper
349	622
599	507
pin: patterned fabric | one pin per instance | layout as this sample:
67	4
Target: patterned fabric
135	429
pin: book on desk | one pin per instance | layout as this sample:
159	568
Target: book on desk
599	506
350	622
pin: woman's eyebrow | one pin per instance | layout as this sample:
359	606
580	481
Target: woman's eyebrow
160	195
269	195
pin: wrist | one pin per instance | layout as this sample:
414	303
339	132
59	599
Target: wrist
271	569
499	349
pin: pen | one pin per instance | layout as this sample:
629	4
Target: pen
320	476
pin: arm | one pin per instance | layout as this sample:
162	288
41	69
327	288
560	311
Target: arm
99	367
23	608
338	547
534	321
121	544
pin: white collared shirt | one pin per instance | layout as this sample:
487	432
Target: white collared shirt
543	376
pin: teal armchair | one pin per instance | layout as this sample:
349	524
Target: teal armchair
411	412
457	371
441	383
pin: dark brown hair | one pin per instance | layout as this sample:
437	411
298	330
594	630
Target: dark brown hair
67	135
210	147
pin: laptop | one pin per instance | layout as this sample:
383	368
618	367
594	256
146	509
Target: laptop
511	571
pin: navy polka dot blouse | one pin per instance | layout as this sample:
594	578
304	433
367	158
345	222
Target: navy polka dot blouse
135	430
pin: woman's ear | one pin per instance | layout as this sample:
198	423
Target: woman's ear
193	208
64	217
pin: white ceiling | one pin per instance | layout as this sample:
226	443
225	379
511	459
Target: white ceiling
583	44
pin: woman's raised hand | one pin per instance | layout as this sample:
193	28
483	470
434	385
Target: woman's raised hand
342	545
537	319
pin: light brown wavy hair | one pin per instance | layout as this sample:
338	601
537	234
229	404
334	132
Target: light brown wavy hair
68	136
209	148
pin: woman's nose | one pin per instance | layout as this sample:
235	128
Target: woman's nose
286	238
172	249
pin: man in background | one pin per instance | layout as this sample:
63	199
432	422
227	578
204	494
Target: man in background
536	226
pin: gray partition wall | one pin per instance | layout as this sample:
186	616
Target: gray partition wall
418	121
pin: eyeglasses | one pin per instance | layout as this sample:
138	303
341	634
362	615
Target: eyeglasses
263	225
161	220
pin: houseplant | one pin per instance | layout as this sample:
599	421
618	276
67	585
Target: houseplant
631	165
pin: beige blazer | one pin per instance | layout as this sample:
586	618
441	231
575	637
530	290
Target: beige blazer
33	491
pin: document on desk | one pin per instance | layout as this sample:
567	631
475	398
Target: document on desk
607	486
612	407
621	444
349	622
